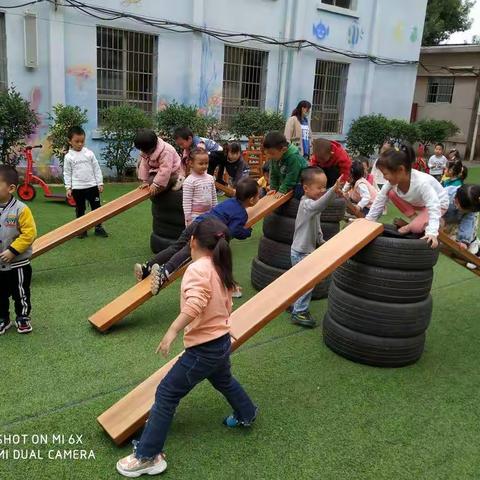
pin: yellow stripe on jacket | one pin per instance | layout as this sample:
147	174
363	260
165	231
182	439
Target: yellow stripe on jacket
28	231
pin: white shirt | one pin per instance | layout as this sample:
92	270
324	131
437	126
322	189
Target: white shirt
81	170
424	191
378	177
437	164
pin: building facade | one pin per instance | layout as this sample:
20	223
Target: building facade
448	88
64	54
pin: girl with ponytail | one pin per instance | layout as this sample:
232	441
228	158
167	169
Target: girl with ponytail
205	308
416	194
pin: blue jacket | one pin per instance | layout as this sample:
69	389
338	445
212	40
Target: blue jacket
233	214
465	221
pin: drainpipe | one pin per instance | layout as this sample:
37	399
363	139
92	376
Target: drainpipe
286	53
477	121
56	47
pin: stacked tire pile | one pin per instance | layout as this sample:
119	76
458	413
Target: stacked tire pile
379	303
168	220
274	250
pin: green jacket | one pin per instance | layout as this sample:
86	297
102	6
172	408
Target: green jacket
285	173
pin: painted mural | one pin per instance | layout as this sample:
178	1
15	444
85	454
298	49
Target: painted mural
354	34
321	30
210	101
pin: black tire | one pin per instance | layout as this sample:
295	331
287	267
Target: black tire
378	318
263	275
383	284
329	229
158	243
398	253
275	254
335	211
369	349
169	201
172	217
289	209
279	228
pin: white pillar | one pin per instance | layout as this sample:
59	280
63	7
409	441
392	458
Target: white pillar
56	59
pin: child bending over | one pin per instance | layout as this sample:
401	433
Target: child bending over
231	212
416	194
308	231
199	193
83	177
236	167
361	192
159	166
332	158
17	233
286	164
205	308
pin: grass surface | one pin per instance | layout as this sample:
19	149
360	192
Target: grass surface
321	416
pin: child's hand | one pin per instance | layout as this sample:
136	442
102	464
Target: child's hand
462	245
338	186
431	240
100	189
271	192
154	189
69	193
7	256
143	186
167	340
279	195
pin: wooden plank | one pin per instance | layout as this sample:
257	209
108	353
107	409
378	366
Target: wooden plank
126	416
137	295
460	255
229	192
75	227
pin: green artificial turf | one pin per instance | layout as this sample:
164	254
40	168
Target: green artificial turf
321	416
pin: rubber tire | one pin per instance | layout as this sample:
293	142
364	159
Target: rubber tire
263	275
369	349
329	229
26	192
398	253
275	254
383	284
158	243
169	201
332	214
170	217
289	209
378	318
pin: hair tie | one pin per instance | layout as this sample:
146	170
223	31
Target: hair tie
220	235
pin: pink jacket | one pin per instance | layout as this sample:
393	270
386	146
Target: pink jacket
164	162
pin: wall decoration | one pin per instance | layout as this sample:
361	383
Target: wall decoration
81	73
355	34
414	34
399	32
321	30
210	101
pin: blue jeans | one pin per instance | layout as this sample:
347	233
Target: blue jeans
303	303
210	361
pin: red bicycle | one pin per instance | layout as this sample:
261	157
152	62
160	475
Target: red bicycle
26	191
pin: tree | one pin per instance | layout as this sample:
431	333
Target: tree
445	17
254	121
402	131
120	125
433	131
64	117
367	134
17	121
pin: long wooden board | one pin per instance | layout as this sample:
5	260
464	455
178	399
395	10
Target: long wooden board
126	416
75	227
451	249
229	192
112	313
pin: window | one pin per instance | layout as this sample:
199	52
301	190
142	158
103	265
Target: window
126	65
340	3
244	80
440	89
329	96
3	54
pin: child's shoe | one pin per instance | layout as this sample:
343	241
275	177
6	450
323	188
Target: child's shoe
159	278
232	421
141	271
23	325
237	292
304	319
100	231
5	325
132	467
83	235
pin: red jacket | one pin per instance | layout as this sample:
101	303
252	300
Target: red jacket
339	157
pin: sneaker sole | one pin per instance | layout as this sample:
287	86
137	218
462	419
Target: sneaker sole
138	272
23	332
5	329
146	471
155	281
304	324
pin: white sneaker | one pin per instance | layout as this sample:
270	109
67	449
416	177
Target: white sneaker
132	467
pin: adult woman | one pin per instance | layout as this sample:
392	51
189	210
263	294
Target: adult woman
297	129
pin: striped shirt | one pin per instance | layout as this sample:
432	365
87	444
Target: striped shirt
199	196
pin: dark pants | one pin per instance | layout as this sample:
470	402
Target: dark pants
16	284
332	174
209	361
92	195
174	256
217	159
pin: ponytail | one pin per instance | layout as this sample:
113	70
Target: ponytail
213	235
394	158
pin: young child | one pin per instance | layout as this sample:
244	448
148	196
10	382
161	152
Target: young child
411	191
236	167
454	154
264	182
332	158
231	212
199	193
159	165
286	164
455	174
437	162
420	164
461	218
17	233
378	178
83	177
361	192
366	169
187	141
205	308
308	232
